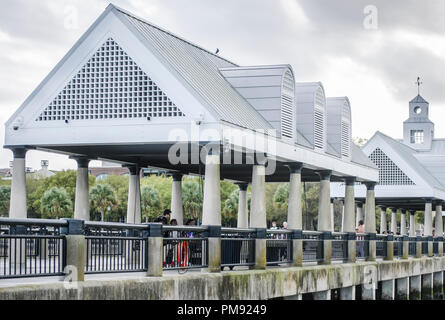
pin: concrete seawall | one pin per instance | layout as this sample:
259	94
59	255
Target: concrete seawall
246	284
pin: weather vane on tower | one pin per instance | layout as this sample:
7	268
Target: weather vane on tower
418	82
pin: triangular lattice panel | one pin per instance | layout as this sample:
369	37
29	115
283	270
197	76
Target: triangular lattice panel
389	172
110	86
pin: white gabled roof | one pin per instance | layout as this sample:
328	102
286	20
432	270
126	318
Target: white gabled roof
198	68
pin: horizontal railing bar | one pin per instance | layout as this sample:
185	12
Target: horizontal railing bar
27	221
116	225
312	232
237	230
115	238
30	236
184	228
279	231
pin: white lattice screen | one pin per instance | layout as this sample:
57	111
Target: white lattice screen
110	86
345	139
319	119
389	173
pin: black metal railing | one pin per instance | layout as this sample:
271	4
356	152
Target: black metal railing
362	245
184	247
381	248
31	248
339	246
237	247
312	246
398	246
115	247
412	246
278	246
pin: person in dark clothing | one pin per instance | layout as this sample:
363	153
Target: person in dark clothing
165	217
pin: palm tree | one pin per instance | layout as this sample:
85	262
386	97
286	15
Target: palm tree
5	196
102	196
150	201
281	196
56	202
190	198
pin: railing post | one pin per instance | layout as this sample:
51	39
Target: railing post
154	250
371	246
352	250
389	247
75	247
418	247
327	247
440	246
297	248
405	247
260	248
214	248
430	246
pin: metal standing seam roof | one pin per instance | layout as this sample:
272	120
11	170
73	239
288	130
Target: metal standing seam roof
200	70
408	154
359	157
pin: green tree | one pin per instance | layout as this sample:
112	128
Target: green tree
230	209
55	202
102	196
150	202
120	186
191	198
281	196
5	196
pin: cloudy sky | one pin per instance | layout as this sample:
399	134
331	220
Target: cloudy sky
374	62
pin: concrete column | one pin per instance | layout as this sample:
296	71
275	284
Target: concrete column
294	211
258	212
359	215
438	227
243	208
388	289
403	223
324	214
155	246
322	295
370	224
402	289
412	224
331	215
75	249
393	220
211	208
383	222
347	293
427	286
176	202
438	285
324	202
415	287
348	220
134	196
428	226
17	208
82	197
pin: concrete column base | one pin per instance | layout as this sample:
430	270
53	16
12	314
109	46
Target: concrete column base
322	295
76	256
260	254
155	256
372	250
347	293
415	288
402	289
297	248
214	254
352	252
438	285
389	250
427	286
418	249
327	252
405	249
388	289
440	245
430	249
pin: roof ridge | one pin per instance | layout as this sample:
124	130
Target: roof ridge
169	33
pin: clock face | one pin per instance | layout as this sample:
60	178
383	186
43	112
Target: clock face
417	110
